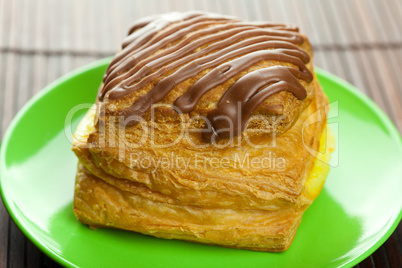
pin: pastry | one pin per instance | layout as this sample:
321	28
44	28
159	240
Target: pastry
206	128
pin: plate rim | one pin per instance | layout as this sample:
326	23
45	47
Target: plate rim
88	67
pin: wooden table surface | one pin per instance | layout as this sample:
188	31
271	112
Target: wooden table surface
357	40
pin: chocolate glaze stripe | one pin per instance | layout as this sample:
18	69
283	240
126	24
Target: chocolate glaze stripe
187	102
153	45
143	51
149	38
182	19
172	54
147	28
138	38
245	95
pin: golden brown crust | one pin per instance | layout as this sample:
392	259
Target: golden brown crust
103	200
160	177
100	204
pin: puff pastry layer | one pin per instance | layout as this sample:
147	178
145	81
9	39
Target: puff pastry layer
146	165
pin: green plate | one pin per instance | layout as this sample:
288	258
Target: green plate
358	209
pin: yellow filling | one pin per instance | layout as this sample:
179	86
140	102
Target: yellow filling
85	126
316	180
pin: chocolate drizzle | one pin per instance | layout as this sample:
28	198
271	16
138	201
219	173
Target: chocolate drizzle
193	42
246	94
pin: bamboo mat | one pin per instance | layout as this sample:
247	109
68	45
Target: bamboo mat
357	40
